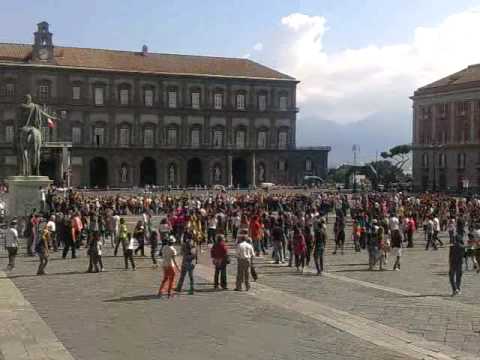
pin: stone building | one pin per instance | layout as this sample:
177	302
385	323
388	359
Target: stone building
446	133
133	118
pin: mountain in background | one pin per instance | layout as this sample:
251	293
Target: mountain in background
374	134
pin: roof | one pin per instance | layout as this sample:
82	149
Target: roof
466	78
151	63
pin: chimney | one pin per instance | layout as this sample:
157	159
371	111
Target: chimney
144	50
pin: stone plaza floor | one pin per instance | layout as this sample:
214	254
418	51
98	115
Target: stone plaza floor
348	313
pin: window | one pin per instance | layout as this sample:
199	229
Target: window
282	139
218	138
282	165
76	135
43	92
195	137
240	101
148	97
124	136
99	136
99	94
442	161
124	96
8	90
283	103
218	101
195	100
172	99
148	135
262	139
240	138
262	102
76	92
461	160
308	165
425	161
172	136
9	133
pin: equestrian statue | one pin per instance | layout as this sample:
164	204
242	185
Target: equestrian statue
30	137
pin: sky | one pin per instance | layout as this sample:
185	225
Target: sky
357	61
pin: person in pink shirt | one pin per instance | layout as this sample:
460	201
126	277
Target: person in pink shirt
299	248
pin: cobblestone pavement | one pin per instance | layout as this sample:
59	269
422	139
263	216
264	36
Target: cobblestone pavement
115	315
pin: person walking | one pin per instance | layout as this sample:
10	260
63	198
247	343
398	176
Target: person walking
139	235
245	254
456	255
154	236
68	238
396	240
320	239
169	266
277	240
12	244
188	264
299	248
219	255
128	245
42	250
122	237
51	225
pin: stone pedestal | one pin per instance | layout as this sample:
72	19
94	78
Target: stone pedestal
24	194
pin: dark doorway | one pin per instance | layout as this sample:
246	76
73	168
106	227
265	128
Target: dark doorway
194	172
98	172
239	172
48	167
148	172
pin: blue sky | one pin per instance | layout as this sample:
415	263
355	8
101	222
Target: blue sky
358	60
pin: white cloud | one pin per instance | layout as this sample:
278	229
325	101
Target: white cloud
258	46
352	84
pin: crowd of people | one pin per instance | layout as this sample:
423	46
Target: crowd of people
289	227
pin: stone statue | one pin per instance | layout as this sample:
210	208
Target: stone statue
217	175
30	137
261	173
171	174
123	173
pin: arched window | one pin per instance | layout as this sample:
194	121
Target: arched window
241	137
124	94
44	90
149	136
218	99
148	96
195	136
124	135
172	135
172	97
283	138
240	100
262	136
218	136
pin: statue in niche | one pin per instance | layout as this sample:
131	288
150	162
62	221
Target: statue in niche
123	173
217	174
261	173
171	174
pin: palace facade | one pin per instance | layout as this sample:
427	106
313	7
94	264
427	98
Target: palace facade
135	118
446	133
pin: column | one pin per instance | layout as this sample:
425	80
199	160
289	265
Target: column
471	114
230	171
434	123
253	170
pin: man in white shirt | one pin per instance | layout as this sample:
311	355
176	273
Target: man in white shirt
436	230
245	254
12	244
51	226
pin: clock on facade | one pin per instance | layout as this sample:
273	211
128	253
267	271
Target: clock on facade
43	54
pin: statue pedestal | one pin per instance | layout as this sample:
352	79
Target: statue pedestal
24	194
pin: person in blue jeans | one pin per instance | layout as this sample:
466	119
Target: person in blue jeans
188	264
456	255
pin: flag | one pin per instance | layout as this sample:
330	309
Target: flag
51	124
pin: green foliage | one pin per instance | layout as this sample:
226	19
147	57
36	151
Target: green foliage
399	154
387	172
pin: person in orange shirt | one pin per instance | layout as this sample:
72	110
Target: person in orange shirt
256	235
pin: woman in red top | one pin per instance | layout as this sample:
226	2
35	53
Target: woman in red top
256	234
299	248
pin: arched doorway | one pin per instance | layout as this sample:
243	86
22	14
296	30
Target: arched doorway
239	172
48	167
98	172
194	172
148	172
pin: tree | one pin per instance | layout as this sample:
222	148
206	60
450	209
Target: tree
399	154
387	172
